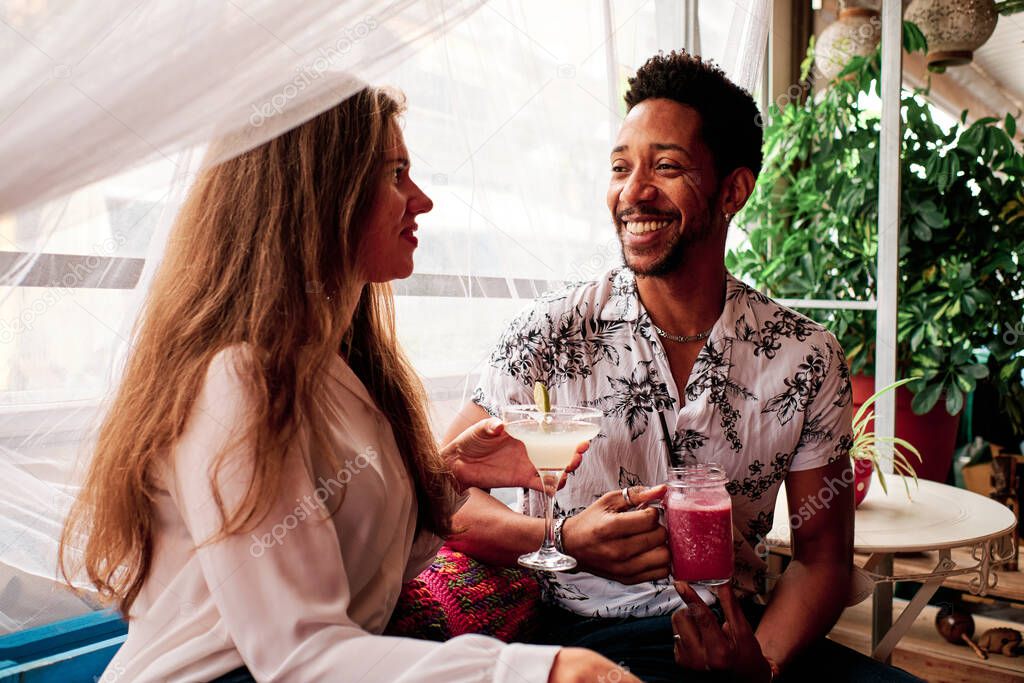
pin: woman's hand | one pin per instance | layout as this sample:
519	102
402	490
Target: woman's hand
703	645
485	456
579	665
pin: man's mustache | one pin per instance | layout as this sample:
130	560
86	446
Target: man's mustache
641	211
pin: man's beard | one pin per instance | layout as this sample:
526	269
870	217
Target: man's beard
675	254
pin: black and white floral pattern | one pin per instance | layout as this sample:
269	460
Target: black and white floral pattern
557	348
769	394
684	443
758	528
710	376
801	388
844	396
784	324
760	477
842	448
633	398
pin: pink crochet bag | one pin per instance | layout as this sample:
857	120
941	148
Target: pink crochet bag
457	595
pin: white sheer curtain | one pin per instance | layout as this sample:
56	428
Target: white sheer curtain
512	142
105	107
93	88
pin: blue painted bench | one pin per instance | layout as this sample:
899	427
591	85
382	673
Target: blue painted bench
76	649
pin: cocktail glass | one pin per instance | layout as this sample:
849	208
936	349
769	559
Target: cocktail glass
551	439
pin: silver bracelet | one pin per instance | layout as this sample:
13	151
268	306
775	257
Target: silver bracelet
557	528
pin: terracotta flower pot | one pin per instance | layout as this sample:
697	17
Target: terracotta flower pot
933	434
954	28
862	470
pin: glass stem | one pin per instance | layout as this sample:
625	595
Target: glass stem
549	480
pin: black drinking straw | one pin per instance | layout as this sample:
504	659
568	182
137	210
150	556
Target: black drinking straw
668	442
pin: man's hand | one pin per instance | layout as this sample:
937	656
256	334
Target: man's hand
703	645
613	539
485	456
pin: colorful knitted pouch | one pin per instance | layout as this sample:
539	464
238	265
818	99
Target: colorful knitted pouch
457	595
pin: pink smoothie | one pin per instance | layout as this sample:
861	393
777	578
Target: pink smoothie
700	535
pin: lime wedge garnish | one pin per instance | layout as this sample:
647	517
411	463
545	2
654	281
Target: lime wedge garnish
541	398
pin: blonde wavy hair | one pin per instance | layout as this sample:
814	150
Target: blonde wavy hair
263	253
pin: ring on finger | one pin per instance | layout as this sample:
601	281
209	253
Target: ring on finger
625	496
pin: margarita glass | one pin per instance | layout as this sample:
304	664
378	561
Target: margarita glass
551	439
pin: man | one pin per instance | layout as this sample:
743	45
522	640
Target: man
689	365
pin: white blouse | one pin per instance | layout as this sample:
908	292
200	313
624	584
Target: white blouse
305	595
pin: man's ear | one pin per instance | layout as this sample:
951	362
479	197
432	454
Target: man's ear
736	189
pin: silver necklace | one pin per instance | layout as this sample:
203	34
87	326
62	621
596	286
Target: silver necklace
685	338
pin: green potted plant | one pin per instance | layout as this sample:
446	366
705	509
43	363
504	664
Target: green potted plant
869	450
812	227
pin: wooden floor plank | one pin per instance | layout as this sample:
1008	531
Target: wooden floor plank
923	652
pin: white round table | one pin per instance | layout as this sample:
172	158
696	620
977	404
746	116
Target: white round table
935	517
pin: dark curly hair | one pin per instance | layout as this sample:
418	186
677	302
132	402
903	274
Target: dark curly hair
728	114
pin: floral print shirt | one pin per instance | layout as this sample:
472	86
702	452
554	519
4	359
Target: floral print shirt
769	393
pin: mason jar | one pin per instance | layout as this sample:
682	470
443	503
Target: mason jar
698	515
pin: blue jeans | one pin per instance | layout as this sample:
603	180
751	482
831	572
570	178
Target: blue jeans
645	647
239	675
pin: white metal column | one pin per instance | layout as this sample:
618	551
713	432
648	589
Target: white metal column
888	214
612	68
888	271
692	27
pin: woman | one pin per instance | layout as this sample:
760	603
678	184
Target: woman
266	478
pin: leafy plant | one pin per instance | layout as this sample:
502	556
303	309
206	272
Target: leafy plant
812	223
1008	7
866	443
